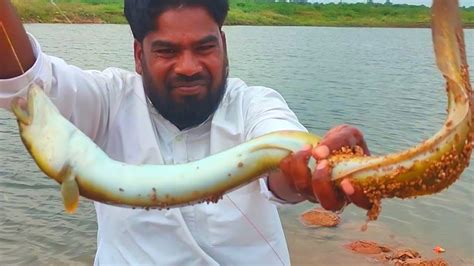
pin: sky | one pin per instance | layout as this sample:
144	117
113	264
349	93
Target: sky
411	2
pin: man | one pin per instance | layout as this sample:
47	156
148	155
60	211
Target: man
180	106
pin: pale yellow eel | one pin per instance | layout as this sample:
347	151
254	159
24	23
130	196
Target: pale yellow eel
65	154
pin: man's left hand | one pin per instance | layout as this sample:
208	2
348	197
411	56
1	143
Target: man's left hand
318	186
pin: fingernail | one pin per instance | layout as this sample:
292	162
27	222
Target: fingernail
321	151
322	164
347	187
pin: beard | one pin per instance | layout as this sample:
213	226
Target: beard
191	111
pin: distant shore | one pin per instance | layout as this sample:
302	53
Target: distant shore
247	13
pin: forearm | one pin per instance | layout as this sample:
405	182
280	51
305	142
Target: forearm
279	185
15	49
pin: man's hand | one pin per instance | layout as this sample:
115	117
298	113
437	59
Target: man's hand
15	48
317	186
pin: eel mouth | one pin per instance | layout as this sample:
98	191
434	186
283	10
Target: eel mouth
23	115
24	109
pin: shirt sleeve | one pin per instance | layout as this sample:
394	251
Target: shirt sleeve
268	112
87	98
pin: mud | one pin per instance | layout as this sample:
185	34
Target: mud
319	218
392	256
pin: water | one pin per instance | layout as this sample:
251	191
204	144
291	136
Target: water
381	80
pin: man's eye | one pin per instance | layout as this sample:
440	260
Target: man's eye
166	52
204	48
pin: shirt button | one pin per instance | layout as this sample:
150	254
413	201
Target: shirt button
179	138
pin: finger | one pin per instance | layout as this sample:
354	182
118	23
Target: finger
360	199
363	145
360	141
345	136
300	172
347	187
321	152
355	194
340	139
293	167
285	165
324	190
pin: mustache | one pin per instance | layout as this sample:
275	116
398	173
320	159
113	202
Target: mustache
189	81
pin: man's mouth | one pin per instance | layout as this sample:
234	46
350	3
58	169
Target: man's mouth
189	88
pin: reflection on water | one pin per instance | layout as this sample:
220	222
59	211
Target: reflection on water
381	80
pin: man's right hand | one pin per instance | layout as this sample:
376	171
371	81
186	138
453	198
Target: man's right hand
15	48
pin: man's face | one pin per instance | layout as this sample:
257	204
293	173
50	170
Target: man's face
184	65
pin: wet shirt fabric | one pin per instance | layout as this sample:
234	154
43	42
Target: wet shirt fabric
110	106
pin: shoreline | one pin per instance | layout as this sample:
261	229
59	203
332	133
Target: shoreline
423	26
248	14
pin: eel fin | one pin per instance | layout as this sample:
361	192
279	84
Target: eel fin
69	190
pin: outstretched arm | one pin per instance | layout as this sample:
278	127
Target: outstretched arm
87	98
15	48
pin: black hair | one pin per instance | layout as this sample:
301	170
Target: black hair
141	14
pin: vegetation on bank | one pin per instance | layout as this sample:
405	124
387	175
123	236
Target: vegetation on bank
246	12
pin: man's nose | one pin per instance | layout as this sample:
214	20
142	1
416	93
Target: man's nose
188	64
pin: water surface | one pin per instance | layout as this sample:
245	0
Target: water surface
381	80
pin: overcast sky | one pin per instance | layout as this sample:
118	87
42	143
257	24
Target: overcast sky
411	2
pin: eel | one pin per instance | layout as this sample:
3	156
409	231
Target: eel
69	157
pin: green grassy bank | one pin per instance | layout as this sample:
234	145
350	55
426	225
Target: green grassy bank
247	12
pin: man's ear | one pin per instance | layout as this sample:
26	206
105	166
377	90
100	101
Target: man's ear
224	41
224	44
138	53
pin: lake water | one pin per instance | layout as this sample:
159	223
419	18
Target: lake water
381	80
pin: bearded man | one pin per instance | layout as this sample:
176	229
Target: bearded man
179	106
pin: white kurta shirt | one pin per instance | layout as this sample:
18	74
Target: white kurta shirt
111	108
